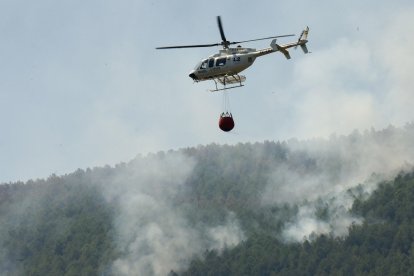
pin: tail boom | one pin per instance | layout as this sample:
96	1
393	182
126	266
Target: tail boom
274	47
302	40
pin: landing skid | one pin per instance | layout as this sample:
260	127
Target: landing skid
231	79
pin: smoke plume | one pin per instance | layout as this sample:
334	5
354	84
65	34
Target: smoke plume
153	233
319	176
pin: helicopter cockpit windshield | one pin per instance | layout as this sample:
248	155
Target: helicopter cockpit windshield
203	64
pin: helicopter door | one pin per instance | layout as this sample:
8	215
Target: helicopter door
221	61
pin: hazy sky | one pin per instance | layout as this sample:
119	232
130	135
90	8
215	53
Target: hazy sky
81	84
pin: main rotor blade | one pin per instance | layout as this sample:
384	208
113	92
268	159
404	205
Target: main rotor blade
189	46
223	37
264	38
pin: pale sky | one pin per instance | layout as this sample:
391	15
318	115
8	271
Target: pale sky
81	84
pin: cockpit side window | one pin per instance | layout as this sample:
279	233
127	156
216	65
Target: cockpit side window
204	64
211	62
221	62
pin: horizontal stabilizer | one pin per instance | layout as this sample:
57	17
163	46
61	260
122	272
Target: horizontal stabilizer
277	47
283	51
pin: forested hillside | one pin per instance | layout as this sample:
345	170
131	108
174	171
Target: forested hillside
336	206
52	227
382	245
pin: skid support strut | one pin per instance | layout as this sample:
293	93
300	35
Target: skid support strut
228	79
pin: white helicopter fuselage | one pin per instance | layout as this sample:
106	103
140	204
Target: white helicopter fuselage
227	62
232	61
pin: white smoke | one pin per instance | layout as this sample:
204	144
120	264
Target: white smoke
335	221
153	234
325	170
227	235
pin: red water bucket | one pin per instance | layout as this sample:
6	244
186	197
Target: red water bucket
226	122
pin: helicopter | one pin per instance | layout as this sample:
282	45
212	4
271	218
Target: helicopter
224	67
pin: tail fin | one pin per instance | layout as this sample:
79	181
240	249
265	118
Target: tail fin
304	48
303	39
304	34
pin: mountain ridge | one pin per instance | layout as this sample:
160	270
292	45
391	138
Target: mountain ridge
133	217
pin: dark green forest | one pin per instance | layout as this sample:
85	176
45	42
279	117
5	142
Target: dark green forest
222	210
